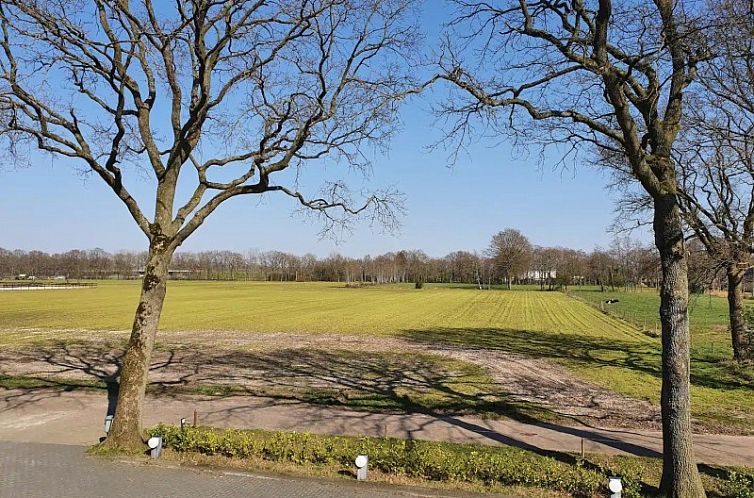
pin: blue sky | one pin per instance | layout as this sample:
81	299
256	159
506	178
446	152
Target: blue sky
51	206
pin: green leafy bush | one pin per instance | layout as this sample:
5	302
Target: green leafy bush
447	462
739	486
431	461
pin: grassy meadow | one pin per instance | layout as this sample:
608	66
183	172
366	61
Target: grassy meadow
549	325
708	314
307	308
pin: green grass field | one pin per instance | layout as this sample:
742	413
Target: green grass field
708	315
548	325
307	308
719	384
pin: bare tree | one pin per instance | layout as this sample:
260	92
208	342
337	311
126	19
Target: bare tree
715	162
544	264
228	99
602	268
609	77
570	267
461	267
511	254
704	271
716	159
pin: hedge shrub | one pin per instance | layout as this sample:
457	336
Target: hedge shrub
431	461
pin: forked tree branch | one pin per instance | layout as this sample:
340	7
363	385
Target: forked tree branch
242	91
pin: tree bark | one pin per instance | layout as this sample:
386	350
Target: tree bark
741	348
680	476
126	432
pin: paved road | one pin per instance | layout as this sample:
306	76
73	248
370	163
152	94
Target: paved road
31	470
77	417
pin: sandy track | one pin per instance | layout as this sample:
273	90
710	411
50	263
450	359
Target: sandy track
262	360
526	379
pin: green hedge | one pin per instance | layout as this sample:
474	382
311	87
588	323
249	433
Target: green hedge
739	485
418	459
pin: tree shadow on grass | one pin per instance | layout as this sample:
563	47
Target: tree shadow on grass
363	380
642	357
68	367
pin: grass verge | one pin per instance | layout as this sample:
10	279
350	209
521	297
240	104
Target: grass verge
464	466
31	382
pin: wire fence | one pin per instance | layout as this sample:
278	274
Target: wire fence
651	326
44	285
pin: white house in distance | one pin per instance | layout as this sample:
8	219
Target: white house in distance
540	275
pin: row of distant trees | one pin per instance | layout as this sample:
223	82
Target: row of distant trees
626	263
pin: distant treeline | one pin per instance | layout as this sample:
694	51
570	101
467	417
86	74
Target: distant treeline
624	264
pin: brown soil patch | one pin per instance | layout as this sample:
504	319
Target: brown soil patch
301	361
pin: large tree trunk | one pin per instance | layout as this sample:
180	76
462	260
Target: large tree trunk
740	341
680	476
126	431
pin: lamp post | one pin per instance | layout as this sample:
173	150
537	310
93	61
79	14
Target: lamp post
615	486
362	462
155	446
108	423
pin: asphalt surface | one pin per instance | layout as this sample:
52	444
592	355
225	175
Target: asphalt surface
34	470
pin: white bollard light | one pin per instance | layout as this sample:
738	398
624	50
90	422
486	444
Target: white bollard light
362	463
155	446
615	486
108	423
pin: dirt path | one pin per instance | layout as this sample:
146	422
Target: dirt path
273	362
544	382
76	418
